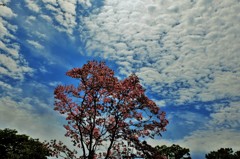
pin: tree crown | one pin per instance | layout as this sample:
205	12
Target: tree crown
102	109
13	145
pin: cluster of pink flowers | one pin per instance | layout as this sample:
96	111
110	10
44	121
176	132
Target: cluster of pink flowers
102	108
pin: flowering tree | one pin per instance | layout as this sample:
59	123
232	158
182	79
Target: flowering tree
102	110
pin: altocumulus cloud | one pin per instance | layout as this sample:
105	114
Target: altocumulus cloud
187	45
17	111
12	63
186	52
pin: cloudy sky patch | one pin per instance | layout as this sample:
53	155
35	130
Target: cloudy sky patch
186	54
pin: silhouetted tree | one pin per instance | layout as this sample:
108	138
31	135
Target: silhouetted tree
223	153
15	146
175	151
237	154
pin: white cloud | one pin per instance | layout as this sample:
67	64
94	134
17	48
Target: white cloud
12	64
226	116
33	6
68	6
175	44
8	90
41	35
30	19
30	112
15	69
53	2
160	103
55	83
12	49
47	18
220	130
211	137
6	12
204	141
64	13
5	85
86	3
210	140
35	44
5	29
20	115
43	69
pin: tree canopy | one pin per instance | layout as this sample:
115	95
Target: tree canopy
223	153
175	151
15	146
103	110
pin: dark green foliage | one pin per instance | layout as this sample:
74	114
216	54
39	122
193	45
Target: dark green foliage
237	154
15	146
174	151
223	153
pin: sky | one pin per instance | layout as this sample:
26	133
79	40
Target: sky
186	53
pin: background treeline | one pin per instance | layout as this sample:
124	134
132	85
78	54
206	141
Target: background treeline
16	146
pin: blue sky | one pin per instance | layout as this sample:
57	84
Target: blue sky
186	53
